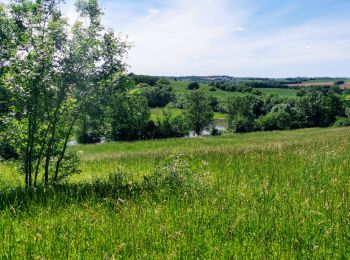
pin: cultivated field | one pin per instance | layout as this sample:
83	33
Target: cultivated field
312	84
320	83
281	195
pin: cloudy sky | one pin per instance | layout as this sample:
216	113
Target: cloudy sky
266	38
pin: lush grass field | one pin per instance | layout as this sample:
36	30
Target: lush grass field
282	195
280	91
180	87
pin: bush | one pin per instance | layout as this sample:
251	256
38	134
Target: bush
163	81
342	122
174	178
171	126
257	92
274	121
340	82
89	138
7	151
193	86
212	89
69	166
215	132
241	124
159	95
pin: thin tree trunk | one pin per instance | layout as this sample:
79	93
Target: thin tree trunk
40	155
59	161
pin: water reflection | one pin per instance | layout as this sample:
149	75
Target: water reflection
219	124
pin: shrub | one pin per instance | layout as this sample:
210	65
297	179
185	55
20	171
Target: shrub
159	95
193	86
89	138
342	122
241	124
212	89
172	178
7	151
257	92
340	82
274	121
215	132
163	81
175	177
69	166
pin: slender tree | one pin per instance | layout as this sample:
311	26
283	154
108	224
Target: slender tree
55	70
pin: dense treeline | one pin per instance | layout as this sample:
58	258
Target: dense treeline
138	79
248	86
313	109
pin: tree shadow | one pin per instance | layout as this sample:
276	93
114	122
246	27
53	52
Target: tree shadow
160	186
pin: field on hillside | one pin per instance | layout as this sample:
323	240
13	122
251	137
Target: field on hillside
260	195
280	91
180	87
313	83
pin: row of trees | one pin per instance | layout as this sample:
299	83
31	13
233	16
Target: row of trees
313	109
130	118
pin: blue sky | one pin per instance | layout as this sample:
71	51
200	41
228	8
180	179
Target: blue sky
265	38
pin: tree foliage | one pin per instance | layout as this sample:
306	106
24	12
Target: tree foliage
198	111
159	95
55	70
193	86
130	117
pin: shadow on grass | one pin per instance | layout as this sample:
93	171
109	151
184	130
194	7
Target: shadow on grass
174	180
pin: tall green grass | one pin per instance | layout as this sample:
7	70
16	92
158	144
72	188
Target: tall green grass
261	195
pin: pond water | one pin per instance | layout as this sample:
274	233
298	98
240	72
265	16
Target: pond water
219	124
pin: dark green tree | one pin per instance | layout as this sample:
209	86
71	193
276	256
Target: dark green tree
314	110
159	95
129	117
198	111
193	86
242	111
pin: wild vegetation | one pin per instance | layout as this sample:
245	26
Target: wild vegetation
163	195
260	195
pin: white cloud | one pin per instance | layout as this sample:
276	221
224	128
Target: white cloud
210	37
153	11
206	37
239	29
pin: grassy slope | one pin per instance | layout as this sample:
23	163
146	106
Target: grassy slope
181	87
270	195
325	80
280	91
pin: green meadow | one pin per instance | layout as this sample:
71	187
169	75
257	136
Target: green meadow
180	87
281	195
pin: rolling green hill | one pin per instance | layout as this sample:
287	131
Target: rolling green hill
180	87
